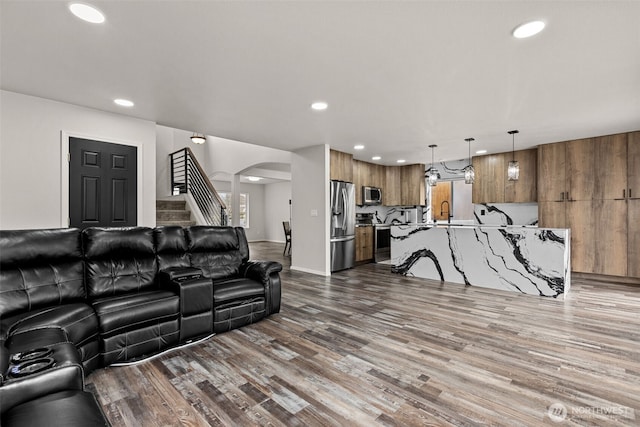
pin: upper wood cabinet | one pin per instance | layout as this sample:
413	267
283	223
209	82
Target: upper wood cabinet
404	185
525	189
413	190
491	184
491	172
580	169
633	165
367	174
392	195
610	167
552	165
340	167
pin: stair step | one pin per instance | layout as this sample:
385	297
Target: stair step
170	205
178	223
173	215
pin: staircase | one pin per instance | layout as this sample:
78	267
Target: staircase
173	212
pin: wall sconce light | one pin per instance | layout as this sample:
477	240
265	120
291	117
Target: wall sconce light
513	170
433	172
469	171
197	138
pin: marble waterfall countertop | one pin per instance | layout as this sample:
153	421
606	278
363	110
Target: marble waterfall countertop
524	259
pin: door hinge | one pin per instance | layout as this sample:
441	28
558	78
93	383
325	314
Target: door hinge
68	222
69	157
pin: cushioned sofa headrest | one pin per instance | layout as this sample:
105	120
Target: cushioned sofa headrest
118	242
170	239
212	239
25	247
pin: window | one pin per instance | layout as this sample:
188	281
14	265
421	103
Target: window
244	207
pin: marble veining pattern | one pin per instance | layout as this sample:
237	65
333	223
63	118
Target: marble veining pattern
527	260
506	213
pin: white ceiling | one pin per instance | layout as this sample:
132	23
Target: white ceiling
398	75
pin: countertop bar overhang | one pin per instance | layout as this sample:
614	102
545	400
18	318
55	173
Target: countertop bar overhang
525	259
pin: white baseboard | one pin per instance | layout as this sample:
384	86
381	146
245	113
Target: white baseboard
308	270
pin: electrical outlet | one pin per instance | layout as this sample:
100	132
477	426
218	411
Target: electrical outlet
314	212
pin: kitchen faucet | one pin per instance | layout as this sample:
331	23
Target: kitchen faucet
442	211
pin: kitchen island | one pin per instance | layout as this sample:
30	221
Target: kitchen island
523	259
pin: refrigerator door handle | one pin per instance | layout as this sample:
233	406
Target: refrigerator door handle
342	239
345	209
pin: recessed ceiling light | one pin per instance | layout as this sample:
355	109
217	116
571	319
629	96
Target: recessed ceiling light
358	147
123	102
319	106
376	158
481	151
254	178
528	29
87	13
400	161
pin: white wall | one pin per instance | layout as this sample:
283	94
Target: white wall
229	157
276	209
31	171
257	210
310	200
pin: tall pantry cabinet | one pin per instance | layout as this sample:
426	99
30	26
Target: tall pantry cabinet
589	185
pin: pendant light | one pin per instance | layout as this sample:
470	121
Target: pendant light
513	171
469	171
196	138
433	172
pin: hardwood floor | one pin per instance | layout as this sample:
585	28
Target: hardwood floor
367	347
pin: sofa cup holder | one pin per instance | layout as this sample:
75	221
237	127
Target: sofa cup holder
25	356
30	367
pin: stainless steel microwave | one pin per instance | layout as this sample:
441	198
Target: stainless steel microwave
371	195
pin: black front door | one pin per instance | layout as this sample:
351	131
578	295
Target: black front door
102	184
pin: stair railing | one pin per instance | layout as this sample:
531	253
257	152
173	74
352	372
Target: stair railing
187	176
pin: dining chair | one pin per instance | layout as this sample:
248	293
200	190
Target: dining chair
287	236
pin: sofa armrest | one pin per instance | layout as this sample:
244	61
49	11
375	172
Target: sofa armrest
268	273
4	361
260	270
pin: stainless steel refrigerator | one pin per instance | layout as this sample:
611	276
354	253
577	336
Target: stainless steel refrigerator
343	225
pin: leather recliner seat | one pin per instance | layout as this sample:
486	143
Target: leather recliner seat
107	295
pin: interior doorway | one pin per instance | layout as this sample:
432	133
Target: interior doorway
102	184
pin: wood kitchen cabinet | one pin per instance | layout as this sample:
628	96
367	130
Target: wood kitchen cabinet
633	204
340	166
367	174
412	188
589	185
552	166
580	182
364	243
359	178
610	167
525	189
404	186
565	189
491	184
491	173
392	195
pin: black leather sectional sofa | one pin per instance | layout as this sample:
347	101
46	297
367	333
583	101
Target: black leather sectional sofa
72	301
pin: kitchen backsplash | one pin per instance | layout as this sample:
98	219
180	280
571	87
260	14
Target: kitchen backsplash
389	214
506	214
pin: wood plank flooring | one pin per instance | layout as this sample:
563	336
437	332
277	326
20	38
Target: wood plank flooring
366	347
